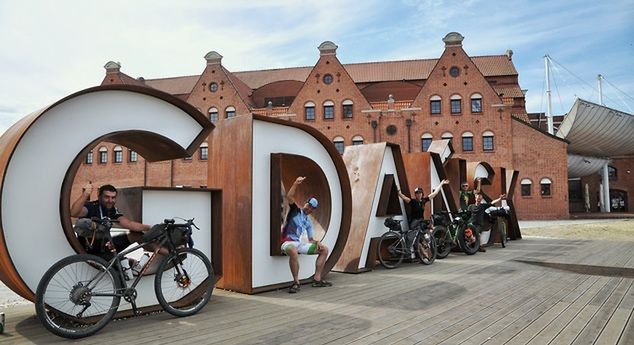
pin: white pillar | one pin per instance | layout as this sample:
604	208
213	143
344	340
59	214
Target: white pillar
606	189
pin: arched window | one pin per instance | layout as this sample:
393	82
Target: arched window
213	114
133	156
425	141
103	155
357	140
447	135
204	151
456	104
347	109
230	112
612	173
89	157
309	111
329	110
545	186
526	187
338	141
476	103
435	104
487	141
118	154
467	141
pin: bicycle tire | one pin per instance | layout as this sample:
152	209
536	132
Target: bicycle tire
467	246
60	294
502	226
443	241
184	282
391	250
432	252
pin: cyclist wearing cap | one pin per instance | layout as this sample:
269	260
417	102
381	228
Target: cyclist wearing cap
297	222
417	204
467	197
477	213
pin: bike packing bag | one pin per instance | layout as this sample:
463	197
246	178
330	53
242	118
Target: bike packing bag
85	227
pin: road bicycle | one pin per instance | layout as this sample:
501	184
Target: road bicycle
459	232
81	293
396	244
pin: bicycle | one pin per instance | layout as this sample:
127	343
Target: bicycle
458	232
395	244
81	293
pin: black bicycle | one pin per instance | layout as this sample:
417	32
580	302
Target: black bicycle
458	232
396	244
81	293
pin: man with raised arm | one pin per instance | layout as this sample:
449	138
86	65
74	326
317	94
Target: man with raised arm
297	222
104	206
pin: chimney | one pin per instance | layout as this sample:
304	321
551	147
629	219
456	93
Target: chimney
453	39
213	58
327	48
509	54
112	67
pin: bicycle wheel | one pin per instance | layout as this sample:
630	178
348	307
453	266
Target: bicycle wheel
184	282
391	249
426	248
502	226
443	241
76	296
469	245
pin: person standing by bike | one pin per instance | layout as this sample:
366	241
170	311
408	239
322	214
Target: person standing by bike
467	196
478	210
104	206
297	222
417	205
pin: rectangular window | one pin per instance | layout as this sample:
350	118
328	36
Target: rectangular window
456	106
329	111
103	157
204	153
467	143
339	146
476	105
434	106
526	189
213	116
545	188
487	143
133	156
347	111
89	158
231	114
425	143
310	113
118	156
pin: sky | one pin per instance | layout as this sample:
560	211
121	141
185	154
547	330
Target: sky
50	49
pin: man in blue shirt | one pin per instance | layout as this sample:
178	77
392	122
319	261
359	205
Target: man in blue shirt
297	222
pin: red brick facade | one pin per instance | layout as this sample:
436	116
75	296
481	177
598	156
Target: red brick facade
390	101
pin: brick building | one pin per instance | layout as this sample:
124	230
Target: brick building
475	100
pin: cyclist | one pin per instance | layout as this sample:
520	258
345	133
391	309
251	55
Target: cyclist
477	213
417	205
104	206
468	196
297	222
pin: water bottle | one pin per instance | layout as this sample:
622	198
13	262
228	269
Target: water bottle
125	265
136	270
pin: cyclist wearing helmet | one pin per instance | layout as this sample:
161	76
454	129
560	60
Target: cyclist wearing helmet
417	203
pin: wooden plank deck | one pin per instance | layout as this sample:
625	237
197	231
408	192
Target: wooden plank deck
504	296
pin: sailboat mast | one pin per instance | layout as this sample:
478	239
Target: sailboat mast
599	77
549	105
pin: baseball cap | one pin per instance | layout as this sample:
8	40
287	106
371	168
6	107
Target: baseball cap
418	190
313	202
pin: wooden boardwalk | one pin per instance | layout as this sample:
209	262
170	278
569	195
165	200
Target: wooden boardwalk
535	291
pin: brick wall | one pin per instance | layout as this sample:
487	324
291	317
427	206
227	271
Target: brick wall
537	155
